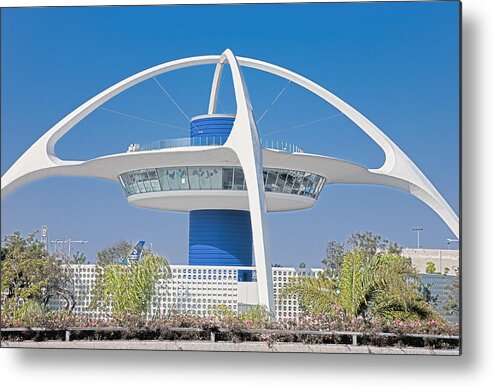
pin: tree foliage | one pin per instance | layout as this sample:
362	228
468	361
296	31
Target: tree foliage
316	295
127	289
30	277
78	258
334	255
367	243
372	280
425	290
254	315
431	268
371	244
114	254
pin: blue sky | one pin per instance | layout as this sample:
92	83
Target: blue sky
397	63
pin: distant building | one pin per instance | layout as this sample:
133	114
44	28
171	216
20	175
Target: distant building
441	289
445	261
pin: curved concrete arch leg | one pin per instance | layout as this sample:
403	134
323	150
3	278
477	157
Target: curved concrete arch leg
397	163
216	84
245	142
36	164
40	159
441	207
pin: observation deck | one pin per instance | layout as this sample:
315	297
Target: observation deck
208	141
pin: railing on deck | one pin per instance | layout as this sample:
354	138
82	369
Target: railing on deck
282	146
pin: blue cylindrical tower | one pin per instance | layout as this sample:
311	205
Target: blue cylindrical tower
213	128
219	237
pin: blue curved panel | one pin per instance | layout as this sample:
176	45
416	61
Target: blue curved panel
212	127
221	238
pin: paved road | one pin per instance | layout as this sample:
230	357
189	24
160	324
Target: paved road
228	347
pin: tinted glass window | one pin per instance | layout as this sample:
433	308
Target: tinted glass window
154	180
272	180
183	178
204	177
281	179
216	177
193	173
227	178
290	180
163	179
172	174
239	179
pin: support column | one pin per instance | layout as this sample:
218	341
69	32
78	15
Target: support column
244	141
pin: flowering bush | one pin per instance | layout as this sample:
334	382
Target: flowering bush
237	328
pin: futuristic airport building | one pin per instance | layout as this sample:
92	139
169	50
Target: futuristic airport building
222	175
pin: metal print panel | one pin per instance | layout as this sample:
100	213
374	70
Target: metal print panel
178	177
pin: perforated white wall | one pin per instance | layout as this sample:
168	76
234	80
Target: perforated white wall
287	307
196	289
83	278
191	289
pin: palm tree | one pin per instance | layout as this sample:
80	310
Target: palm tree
127	289
382	285
317	295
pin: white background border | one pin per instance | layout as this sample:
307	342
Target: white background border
474	367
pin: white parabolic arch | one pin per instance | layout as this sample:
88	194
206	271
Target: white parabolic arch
40	160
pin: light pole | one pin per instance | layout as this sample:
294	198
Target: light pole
69	243
57	242
44	236
70	246
418	230
449	241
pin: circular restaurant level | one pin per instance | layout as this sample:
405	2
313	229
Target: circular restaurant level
218	178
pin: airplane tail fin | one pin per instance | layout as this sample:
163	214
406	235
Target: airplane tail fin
137	251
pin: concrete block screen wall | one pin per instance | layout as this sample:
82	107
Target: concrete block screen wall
196	289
